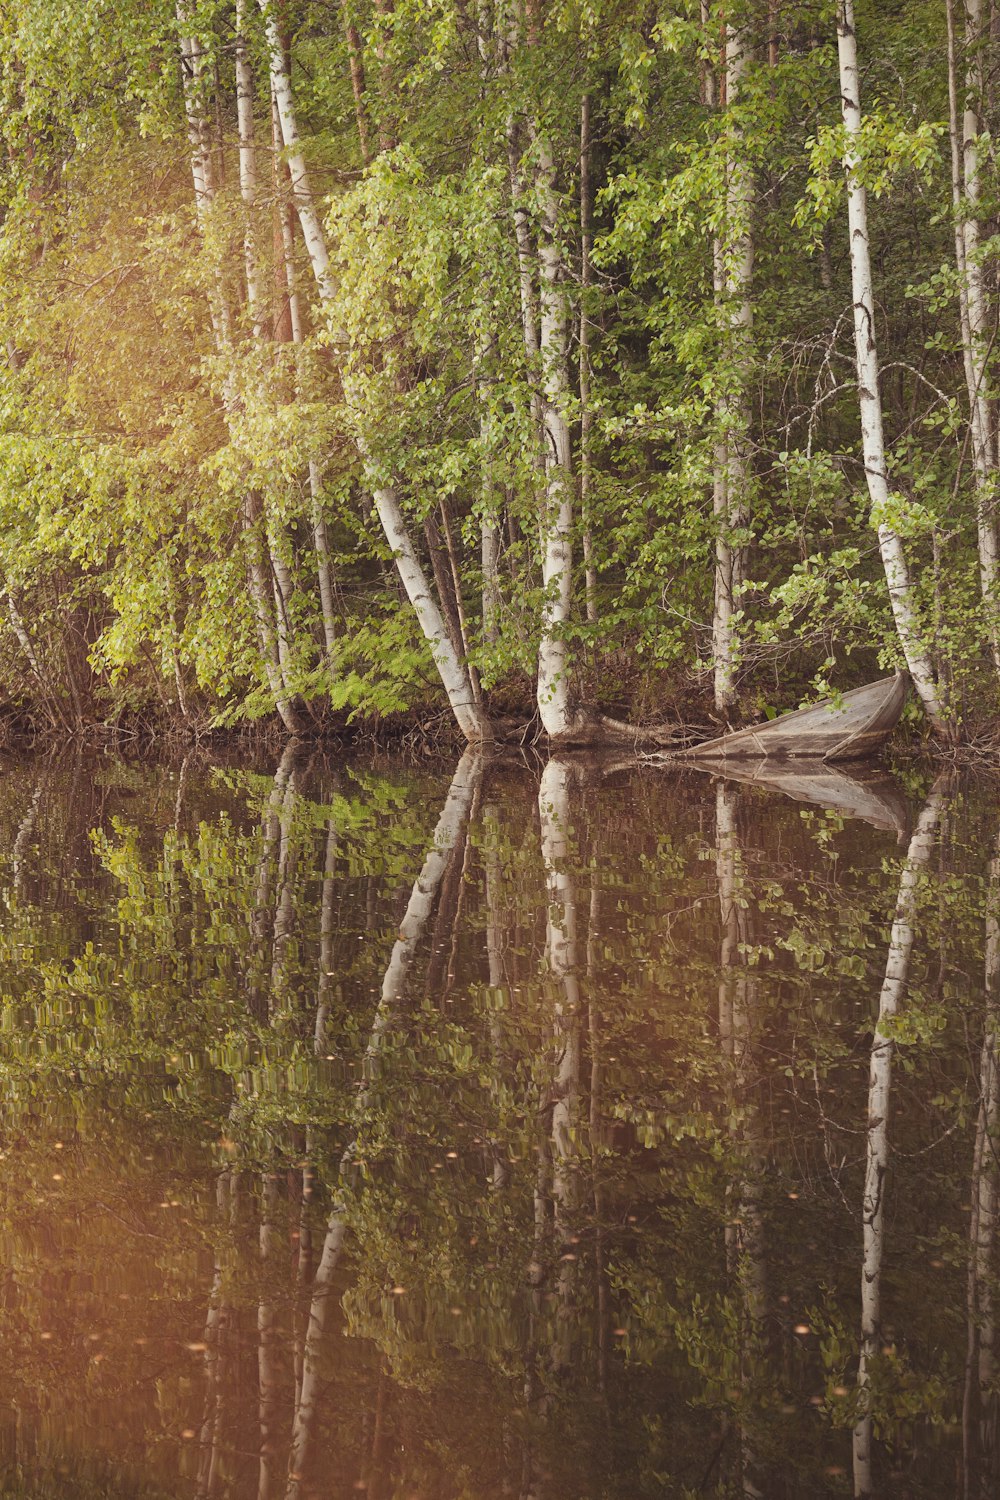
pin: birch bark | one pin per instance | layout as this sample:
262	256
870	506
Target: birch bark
321	541
248	169
527	263
894	561
733	279
451	668
270	626
555	706
973	300
586	415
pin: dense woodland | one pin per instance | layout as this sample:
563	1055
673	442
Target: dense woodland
462	361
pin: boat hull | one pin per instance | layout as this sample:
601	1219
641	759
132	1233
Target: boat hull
857	727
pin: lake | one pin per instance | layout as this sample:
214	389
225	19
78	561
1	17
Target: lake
527	1129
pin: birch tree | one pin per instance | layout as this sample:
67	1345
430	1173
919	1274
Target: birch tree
897	575
733	255
555	706
452	669
964	133
194	65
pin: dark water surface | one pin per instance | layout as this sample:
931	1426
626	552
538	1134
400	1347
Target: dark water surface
519	1131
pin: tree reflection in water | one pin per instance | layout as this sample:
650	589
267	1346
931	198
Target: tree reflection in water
368	1129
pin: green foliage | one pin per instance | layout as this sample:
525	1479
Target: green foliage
143	419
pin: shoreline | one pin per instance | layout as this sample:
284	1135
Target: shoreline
431	737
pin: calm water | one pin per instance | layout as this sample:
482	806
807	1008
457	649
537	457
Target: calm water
516	1130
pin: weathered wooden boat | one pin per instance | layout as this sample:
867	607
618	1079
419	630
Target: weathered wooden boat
857	725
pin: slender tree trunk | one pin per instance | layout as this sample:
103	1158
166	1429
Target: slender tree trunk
489	557
248	169
877	1151
894	562
324	565
527	266
302	194
451	668
288	309
586	414
356	55
555	705
490	519
194	75
975	328
734	276
957	191
283	586
291	326
268	609
454	566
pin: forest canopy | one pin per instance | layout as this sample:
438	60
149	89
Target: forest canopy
464	361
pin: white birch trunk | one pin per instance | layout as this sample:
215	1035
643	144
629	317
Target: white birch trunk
489	558
527	265
451	668
489	526
248	170
983	435
324	565
285	231
957	189
586	415
194	73
733	271
268	611
877	1147
553	692
869	398
321	544
305	203
282	581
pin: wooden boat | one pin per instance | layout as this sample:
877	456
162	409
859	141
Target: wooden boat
857	726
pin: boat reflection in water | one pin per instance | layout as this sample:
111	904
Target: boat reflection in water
510	1132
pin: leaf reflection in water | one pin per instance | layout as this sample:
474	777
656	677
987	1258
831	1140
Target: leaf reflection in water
496	1131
